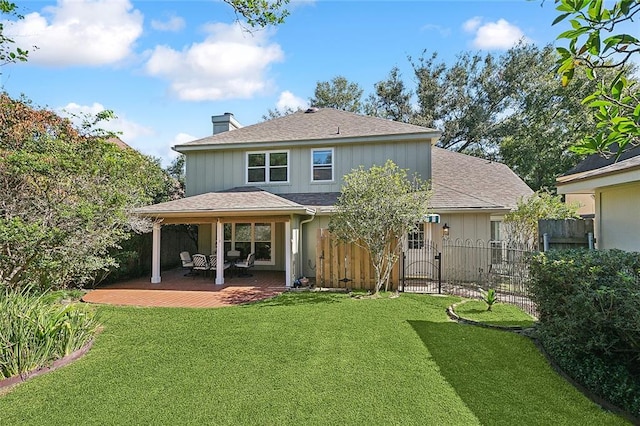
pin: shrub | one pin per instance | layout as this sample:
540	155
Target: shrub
589	309
35	330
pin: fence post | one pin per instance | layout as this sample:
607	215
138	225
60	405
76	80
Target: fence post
545	242
439	258
404	260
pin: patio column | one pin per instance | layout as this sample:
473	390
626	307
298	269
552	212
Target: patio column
219	253
287	250
155	255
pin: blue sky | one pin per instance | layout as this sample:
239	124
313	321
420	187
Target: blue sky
166	67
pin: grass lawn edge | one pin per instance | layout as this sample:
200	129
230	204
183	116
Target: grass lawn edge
528	332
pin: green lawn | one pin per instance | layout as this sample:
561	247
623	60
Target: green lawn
305	358
501	314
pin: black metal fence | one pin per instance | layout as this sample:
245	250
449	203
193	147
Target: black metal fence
465	268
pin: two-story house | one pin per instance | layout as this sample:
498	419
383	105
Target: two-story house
267	188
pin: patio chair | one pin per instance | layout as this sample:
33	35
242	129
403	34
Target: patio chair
245	265
213	263
187	262
200	263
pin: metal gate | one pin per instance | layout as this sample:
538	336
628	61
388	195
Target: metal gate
421	267
464	268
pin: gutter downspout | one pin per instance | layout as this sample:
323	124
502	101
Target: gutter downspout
303	222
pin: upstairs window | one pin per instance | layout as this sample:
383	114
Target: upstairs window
267	167
322	164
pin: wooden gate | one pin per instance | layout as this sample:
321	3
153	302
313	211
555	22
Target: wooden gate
341	265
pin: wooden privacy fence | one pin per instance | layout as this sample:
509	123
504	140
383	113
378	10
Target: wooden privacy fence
561	234
341	265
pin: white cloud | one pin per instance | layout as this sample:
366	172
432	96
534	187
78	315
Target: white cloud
228	64
289	100
444	31
494	35
79	32
164	151
472	24
173	24
182	138
127	130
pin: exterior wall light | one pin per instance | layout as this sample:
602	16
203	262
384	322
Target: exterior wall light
445	230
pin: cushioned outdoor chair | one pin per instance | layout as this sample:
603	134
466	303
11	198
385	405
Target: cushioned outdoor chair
213	264
187	262
200	263
245	265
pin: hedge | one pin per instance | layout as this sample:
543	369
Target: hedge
589	310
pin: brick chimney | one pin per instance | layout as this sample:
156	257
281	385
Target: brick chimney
224	123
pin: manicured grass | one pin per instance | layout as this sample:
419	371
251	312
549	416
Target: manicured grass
500	314
306	358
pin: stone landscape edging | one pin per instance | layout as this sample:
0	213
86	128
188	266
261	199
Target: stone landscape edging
61	362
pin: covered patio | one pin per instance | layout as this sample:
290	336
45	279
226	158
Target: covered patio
180	291
269	225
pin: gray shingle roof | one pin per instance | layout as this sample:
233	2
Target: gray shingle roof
597	161
313	199
463	181
620	166
324	124
252	200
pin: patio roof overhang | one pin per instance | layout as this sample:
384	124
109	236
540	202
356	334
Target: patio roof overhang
227	206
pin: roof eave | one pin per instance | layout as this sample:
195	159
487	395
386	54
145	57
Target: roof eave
226	212
587	184
430	137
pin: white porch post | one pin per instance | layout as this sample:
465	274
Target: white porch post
155	255
287	250
219	253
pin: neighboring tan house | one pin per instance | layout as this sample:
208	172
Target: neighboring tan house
268	188
614	188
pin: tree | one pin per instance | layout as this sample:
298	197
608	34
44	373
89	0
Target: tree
521	225
391	100
338	93
375	210
277	113
465	100
177	171
616	102
545	118
66	196
7	54
260	13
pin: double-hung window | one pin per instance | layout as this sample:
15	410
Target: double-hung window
322	164
268	167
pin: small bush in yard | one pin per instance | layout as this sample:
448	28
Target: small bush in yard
490	297
36	330
589	310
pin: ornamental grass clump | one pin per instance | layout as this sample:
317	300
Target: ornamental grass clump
35	331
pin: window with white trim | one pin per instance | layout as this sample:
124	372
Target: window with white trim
252	237
268	167
322	164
